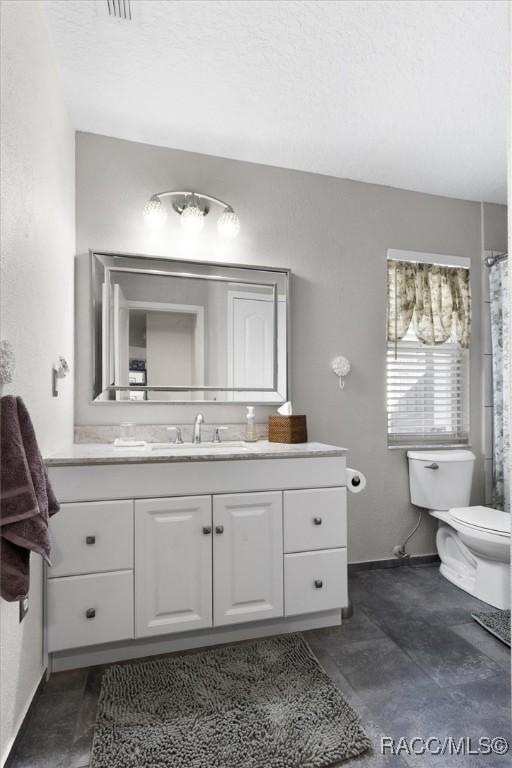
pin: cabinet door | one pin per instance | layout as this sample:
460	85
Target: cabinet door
173	565
247	557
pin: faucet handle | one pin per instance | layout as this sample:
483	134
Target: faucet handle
179	438
216	434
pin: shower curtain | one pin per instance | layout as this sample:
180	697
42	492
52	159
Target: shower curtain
500	303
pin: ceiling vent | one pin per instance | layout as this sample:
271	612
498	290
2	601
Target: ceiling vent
119	9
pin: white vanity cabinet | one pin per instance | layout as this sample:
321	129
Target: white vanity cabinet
154	557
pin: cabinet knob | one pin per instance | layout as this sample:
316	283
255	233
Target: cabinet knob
219	529
207	529
90	613
318	583
90	539
317	520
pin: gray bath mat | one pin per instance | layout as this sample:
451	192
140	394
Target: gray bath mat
267	704
495	622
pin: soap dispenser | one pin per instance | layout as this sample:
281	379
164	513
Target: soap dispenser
250	435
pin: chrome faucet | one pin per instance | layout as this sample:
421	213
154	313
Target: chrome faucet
196	433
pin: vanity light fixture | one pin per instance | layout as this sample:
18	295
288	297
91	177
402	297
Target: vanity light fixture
228	224
192	207
154	213
192	216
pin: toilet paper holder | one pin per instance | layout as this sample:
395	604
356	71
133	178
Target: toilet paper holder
355	479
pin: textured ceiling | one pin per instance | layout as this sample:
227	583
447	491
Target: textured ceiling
408	94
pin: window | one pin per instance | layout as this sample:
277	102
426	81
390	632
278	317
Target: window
427	389
427	400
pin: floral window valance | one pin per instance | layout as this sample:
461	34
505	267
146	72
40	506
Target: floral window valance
436	299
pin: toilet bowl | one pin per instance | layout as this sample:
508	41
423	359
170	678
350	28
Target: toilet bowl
473	542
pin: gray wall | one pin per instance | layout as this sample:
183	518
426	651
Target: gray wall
494	227
334	235
38	243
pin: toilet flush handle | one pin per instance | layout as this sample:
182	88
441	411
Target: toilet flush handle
432	466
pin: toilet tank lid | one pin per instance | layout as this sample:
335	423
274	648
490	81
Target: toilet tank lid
441	455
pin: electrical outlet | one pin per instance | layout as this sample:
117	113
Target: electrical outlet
23	608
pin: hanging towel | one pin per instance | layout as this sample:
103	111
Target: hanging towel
26	499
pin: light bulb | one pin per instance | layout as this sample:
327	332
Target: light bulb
228	224
192	219
154	213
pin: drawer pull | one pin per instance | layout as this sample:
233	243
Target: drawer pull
219	529
207	529
317	520
90	539
90	613
318	583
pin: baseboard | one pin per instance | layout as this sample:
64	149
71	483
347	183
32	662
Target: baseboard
7	758
393	562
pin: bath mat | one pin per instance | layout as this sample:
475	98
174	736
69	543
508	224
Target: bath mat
495	622
267	704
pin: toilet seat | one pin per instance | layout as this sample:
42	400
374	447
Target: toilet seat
485	519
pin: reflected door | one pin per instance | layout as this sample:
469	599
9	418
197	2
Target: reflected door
121	341
250	344
251	350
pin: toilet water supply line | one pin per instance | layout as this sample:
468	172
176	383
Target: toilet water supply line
400	551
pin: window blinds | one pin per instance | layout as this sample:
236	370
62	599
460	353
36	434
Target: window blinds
427	393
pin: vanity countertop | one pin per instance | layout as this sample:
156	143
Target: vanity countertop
100	453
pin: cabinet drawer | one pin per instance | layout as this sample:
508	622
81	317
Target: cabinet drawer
315	581
315	519
92	537
87	610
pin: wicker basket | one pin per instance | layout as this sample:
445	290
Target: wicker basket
287	429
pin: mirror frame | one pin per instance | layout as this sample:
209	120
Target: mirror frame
108	259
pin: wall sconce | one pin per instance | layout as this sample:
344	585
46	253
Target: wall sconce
192	207
340	366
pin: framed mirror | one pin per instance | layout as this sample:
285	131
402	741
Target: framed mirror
167	330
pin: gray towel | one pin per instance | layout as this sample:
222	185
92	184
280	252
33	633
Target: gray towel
26	499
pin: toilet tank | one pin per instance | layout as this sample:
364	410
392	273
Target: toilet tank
440	479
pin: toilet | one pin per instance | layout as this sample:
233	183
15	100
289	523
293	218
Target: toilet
473	542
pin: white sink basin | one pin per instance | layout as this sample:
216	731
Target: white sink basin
226	447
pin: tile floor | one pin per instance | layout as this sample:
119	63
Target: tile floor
411	661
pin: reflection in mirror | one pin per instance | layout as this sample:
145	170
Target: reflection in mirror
178	331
